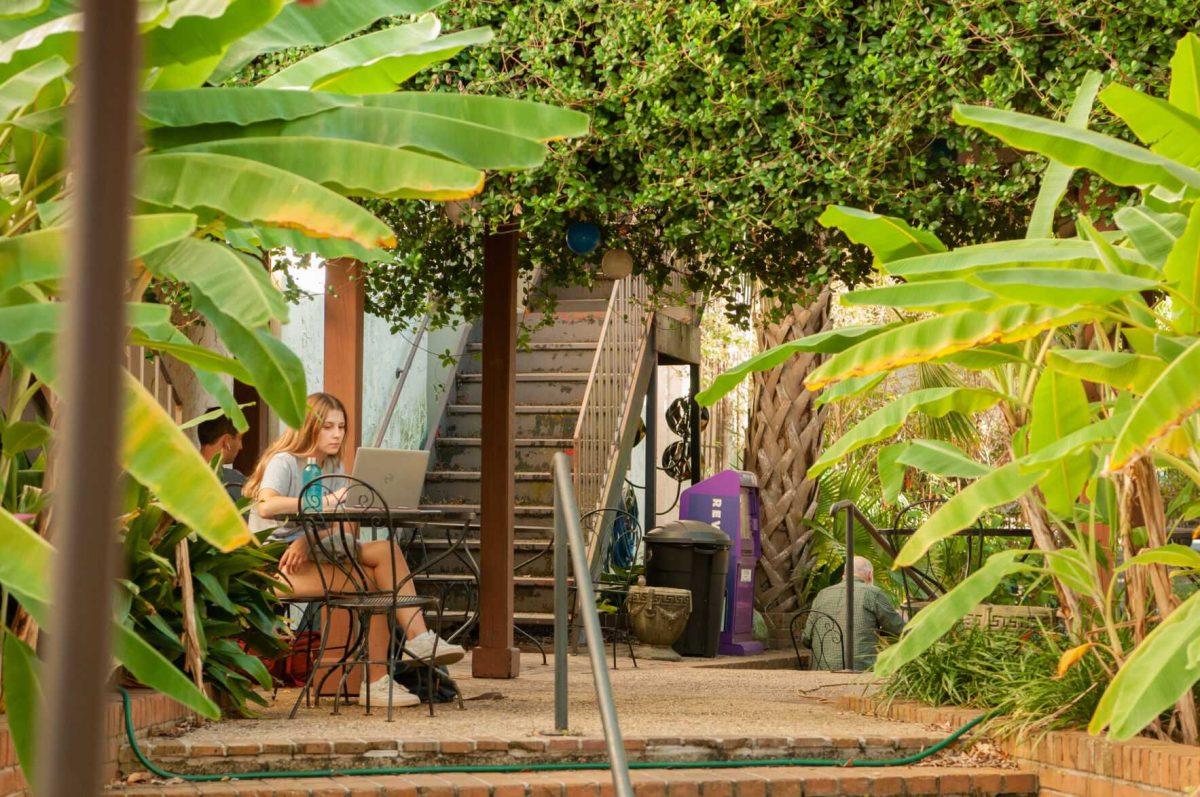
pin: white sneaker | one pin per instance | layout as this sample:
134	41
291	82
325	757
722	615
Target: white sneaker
422	647
379	694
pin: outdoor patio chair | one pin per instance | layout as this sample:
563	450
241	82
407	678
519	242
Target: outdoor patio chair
331	533
619	567
825	633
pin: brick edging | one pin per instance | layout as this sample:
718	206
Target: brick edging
1070	762
150	711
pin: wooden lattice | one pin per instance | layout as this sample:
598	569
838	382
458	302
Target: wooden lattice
784	440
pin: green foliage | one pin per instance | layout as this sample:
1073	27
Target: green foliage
721	130
234	598
1098	397
1012	670
242	196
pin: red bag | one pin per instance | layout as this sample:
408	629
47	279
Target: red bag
292	668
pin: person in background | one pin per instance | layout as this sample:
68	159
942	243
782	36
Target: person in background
274	489
218	436
874	615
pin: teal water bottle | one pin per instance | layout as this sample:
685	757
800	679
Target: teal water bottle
311	500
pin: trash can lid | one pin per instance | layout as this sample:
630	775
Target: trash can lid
688	532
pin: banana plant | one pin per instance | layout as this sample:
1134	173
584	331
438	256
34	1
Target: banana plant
226	172
1087	347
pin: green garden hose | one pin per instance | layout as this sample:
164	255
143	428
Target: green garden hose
517	768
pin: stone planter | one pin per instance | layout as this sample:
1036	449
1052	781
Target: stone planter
658	616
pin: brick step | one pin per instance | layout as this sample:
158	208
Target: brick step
749	782
197	757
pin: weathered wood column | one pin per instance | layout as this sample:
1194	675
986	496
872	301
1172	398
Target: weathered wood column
345	297
496	656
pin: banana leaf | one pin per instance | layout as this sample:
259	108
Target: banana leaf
1117	161
356	168
939	337
524	118
1003	485
833	340
255	193
933	402
1171	400
887	237
314	25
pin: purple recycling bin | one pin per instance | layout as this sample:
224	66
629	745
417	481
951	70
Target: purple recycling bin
729	501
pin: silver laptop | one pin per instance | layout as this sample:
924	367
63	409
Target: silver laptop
398	475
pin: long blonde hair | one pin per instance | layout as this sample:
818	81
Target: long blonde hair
300	441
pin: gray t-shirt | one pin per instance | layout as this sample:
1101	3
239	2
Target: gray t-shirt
284	475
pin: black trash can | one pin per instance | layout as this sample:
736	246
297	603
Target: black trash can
691	555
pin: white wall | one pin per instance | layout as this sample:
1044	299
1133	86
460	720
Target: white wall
383	354
673	382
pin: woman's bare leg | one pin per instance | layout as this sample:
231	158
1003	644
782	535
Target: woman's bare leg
376	560
376	563
306	582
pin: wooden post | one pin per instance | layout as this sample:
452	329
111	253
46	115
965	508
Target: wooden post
496	656
71	751
344	300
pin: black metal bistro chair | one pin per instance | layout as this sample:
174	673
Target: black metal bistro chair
333	539
825	639
617	571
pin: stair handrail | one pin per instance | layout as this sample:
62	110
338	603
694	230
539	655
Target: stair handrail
401	379
609	398
569	542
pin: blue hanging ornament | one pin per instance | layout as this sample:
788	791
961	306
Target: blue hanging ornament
582	237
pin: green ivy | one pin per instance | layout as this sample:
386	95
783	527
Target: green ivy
721	129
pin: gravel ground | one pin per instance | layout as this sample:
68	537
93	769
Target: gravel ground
656	699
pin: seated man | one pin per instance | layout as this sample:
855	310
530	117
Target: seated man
218	436
874	614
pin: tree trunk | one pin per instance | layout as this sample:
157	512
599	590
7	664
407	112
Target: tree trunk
784	441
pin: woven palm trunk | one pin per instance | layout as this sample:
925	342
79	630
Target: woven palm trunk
784	440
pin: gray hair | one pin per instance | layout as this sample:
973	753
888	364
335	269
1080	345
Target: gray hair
863	568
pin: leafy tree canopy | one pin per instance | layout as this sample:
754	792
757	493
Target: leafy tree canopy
720	130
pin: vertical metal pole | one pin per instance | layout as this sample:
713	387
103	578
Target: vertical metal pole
569	512
561	608
848	636
78	642
694	408
651	496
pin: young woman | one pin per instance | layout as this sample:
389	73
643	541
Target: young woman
274	489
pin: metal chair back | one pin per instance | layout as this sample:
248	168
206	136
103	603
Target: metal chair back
823	635
335	542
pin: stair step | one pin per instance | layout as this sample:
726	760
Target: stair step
550	357
459	591
535	519
602	289
570	327
449	486
567	376
533	442
553	388
564	306
474	475
757	781
532	420
465	453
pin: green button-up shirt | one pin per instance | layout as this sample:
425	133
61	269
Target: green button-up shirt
874	614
